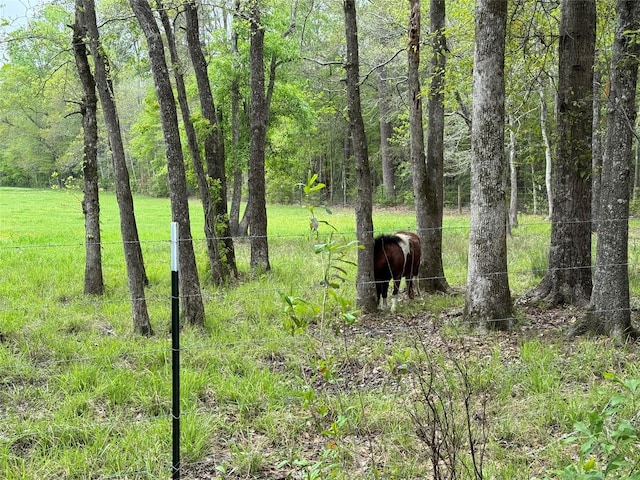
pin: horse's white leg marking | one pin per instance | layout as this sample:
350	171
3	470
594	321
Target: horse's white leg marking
393	303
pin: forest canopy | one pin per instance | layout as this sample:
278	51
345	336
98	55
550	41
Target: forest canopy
41	138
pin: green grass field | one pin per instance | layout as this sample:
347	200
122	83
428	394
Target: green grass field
83	397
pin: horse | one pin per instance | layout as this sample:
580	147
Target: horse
395	256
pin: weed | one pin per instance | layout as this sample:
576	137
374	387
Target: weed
609	438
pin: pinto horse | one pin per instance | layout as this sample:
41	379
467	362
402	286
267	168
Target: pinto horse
395	256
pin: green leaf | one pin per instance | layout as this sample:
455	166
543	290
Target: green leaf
582	428
632	384
319	248
619	399
589	465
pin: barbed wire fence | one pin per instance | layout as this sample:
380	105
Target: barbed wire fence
11	375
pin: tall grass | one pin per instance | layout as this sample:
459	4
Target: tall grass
81	396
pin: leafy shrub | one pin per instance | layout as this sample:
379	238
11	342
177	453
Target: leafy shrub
610	439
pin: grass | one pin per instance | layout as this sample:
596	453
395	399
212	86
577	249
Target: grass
81	396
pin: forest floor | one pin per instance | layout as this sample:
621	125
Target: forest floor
435	336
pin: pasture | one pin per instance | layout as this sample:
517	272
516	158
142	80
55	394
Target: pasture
281	383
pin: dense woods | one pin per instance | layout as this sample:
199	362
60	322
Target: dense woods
270	92
307	122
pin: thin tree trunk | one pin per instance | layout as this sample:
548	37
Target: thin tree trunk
636	174
534	188
365	282
431	266
213	147
236	197
386	130
417	153
93	277
609	311
257	191
488	300
347	154
547	152
513	175
211	239
190	294
136	275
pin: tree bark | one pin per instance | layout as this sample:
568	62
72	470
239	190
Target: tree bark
417	153
136	275
488	300
609	311
257	191
568	278
431	266
386	131
365	281
534	187
190	294
236	196
513	175
547	152
596	149
213	148
211	239
93	276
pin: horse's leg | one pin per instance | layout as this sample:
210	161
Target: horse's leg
394	296
409	282
415	286
385	292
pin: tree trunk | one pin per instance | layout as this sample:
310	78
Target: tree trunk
431	268
596	148
190	294
365	282
236	196
568	278
347	155
211	239
136	275
513	175
534	187
93	277
213	148
257	191
386	131
547	152
609	311
488	300
417	154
